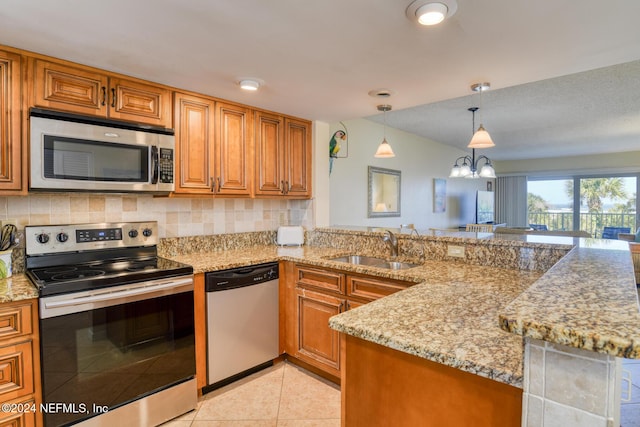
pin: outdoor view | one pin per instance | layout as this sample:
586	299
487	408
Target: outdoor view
604	202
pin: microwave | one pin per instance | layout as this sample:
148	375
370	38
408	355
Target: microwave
76	153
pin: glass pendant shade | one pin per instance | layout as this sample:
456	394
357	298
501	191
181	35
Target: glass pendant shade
455	172
481	139
465	170
487	171
384	150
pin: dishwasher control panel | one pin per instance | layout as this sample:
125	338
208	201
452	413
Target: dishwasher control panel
241	276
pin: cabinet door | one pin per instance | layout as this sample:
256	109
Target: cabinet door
194	144
298	158
10	122
318	344
233	150
16	370
139	102
269	154
63	87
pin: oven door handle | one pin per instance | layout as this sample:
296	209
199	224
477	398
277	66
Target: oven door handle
106	296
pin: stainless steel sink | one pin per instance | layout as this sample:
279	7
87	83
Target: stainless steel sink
359	259
374	262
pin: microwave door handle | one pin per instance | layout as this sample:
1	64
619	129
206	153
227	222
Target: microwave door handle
154	164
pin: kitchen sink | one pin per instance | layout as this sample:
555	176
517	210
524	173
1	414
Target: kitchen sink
374	262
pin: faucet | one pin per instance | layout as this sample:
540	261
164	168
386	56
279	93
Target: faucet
390	239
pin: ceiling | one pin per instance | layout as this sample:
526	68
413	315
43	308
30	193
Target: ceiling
564	77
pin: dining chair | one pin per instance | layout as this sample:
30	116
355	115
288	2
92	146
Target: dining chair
480	228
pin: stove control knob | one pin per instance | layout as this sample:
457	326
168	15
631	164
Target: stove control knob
42	238
147	232
133	233
62	237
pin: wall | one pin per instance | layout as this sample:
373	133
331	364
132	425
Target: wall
177	217
612	162
420	161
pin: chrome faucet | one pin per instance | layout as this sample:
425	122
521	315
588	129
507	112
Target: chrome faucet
390	239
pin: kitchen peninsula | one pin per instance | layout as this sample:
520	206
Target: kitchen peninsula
572	299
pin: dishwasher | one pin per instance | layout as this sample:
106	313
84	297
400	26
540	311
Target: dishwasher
242	322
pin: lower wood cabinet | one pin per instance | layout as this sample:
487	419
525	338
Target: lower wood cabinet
20	364
310	295
318	344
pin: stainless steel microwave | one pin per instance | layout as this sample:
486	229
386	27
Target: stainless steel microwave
76	153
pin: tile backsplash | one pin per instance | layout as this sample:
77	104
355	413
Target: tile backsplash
177	217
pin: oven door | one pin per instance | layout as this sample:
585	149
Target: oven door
101	350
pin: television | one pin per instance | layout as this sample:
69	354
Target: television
485	207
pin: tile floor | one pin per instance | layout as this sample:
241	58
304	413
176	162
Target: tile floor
283	395
630	408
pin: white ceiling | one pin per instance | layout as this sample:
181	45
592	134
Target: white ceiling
319	59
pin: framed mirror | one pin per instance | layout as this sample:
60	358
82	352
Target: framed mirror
384	192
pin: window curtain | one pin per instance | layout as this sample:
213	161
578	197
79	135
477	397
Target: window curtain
511	201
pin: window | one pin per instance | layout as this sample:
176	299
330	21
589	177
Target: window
588	203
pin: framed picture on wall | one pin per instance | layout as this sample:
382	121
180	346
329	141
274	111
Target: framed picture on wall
439	195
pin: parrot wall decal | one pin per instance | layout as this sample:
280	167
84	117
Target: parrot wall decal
334	147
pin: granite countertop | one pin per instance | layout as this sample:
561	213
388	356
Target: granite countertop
587	300
449	316
454	313
17	288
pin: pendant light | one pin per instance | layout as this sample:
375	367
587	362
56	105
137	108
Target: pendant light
468	167
384	149
481	138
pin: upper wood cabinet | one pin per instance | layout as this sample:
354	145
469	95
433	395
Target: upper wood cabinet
283	156
93	92
213	147
11	167
234	145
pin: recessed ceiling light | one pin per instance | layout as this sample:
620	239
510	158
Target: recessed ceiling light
380	93
431	12
249	84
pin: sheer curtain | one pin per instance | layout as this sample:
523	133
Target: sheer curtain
511	200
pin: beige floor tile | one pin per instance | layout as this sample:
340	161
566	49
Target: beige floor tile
309	423
253	398
235	423
177	423
307	397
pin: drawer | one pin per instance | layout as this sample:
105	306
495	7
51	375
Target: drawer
24	414
320	279
371	289
16	370
16	320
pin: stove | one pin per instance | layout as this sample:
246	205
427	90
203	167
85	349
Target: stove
113	314
70	258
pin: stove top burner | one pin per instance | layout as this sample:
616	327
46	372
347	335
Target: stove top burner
76	274
53	280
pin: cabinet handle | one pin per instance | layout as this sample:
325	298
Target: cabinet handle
287	186
213	185
282	187
104	95
340	309
219	185
113	97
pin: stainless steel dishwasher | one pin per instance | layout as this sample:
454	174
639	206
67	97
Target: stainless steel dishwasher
242	322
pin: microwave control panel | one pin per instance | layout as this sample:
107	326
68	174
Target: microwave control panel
166	165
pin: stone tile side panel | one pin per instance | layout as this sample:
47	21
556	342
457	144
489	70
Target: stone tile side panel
565	386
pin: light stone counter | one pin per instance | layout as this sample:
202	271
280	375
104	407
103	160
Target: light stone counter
17	288
450	316
587	300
